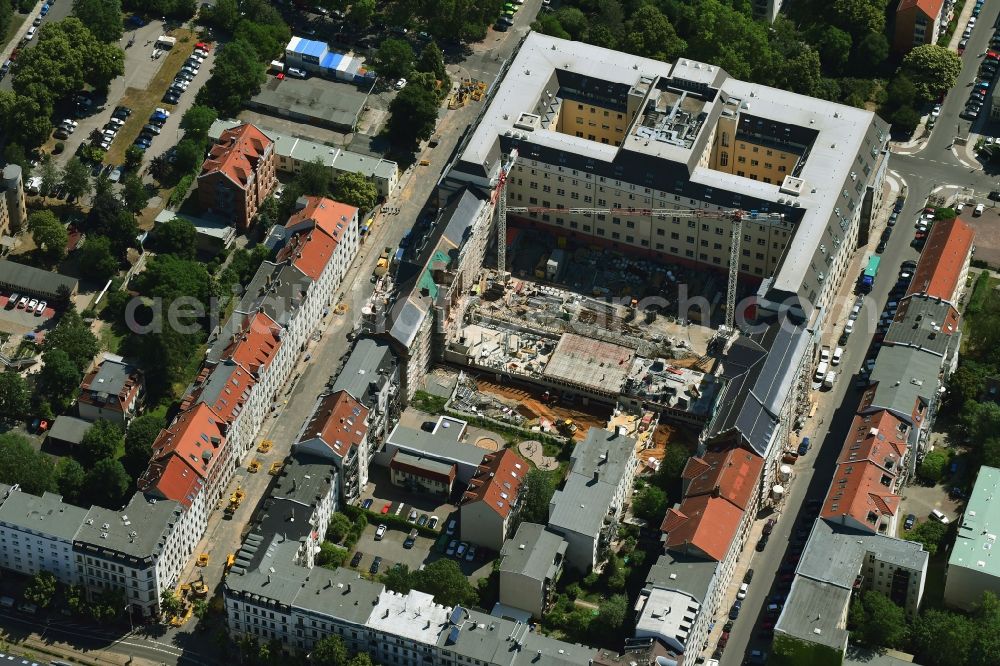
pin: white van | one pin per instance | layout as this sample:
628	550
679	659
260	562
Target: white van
821	371
838	353
978	210
940	517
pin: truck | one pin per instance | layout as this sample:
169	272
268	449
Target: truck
868	277
382	267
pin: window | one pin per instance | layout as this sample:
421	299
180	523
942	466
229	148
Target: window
754	163
724	158
615	235
674	235
661	232
725	139
546	188
561	192
659	246
768	165
704	243
690	239
741	159
630	224
629	239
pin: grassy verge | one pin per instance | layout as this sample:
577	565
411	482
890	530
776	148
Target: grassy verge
17	19
143	101
945	37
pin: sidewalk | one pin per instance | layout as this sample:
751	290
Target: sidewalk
19	35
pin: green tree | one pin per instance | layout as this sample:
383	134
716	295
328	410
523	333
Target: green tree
169	277
361	13
650	34
70	479
884	623
906	119
59	378
177	237
871	52
197	120
339	527
6	13
50	174
76	178
267	39
224	15
901	92
133	157
929	533
23	465
97	261
355	190
414	117
49	234
943	638
108	484
109	218
200	608
444	580
394	59
432	60
860	17
73	336
834	46
932	68
189	155
329	651
612	611
398	579
41	589
539	487
330	556
933	466
313	179
100	441
650	505
139	438
236	77
14	397
668	475
170	603
102	17
135	196
360	659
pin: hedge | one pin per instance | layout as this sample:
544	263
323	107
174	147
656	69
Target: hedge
389	520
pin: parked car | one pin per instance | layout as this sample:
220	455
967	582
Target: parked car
386	507
376	563
909	522
462	547
380	532
940	517
769	526
367	504
742	594
413	516
432	523
356	560
471	555
452	546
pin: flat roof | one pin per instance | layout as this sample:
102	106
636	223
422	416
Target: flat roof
414	616
330	102
813	612
69	429
442	442
977	534
531	551
594	364
139	530
48	514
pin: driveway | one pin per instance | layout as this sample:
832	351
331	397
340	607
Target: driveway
920	500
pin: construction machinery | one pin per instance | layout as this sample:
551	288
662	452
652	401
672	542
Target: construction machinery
254	467
276	468
265	445
234	501
566	426
230	561
202	560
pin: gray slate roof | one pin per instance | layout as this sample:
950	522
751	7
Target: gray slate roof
919	324
69	429
532	551
582	504
904	375
140	530
47	514
812	613
673	571
367	369
33	280
760	370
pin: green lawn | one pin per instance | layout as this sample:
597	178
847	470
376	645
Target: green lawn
17	19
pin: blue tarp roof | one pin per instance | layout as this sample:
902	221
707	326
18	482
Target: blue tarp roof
310	47
332	60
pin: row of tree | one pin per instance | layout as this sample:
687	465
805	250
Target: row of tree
816	49
937	637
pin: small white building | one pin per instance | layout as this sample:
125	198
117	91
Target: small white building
36	534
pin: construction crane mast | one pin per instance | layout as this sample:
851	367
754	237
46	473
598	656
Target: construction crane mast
500	199
735	216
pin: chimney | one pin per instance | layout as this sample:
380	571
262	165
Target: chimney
596	475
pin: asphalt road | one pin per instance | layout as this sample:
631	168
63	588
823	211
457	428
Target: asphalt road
58	11
937	166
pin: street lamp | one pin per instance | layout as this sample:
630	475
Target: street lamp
131	627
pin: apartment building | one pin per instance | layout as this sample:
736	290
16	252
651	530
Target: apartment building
432	454
531	562
135	551
337	431
238	175
191	464
112	391
490	505
586	510
594	128
868	478
434	293
837	563
971	570
36	534
292	153
371	376
944	263
917	22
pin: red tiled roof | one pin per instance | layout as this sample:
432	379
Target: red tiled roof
695	467
236	153
256	346
931	8
229	401
317	229
942	259
185	453
497	481
704	524
867	469
730	473
340	422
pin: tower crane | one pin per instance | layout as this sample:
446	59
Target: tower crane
735	216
